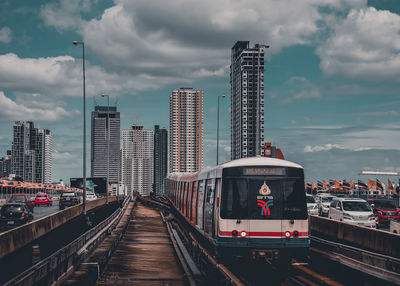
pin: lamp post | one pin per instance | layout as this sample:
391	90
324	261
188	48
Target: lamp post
84	126
219	96
108	142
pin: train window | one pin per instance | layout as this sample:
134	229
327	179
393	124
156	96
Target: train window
263	198
295	206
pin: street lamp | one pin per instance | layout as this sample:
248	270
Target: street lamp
84	126
219	96
108	142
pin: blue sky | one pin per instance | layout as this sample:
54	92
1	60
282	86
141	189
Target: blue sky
332	76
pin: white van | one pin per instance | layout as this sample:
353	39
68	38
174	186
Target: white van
352	210
323	201
312	206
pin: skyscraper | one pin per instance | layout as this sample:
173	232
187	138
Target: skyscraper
137	160
247	100
186	130
5	165
31	152
99	142
160	159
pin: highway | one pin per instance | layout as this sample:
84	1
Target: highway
42	211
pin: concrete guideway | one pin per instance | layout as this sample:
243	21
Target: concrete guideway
18	237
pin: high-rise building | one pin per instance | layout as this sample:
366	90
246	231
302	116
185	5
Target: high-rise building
5	165
137	160
186	130
247	100
160	159
31	152
100	129
42	143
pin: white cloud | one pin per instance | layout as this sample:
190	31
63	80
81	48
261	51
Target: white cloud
62	76
13	111
319	148
366	45
302	88
5	35
65	14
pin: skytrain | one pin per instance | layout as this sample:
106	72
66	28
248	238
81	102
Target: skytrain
246	208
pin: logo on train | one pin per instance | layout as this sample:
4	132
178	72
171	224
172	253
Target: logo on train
265	190
265	206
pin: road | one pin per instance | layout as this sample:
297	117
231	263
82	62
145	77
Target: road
42	211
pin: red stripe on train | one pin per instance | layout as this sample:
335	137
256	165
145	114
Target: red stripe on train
258	234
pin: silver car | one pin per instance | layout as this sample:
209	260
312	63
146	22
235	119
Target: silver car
323	201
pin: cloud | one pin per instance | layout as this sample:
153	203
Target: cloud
62	76
302	88
318	148
365	45
5	35
194	37
12	111
65	14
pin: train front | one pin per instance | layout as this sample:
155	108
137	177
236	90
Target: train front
263	212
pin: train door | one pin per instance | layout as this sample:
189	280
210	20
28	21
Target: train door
209	206
194	203
200	203
216	206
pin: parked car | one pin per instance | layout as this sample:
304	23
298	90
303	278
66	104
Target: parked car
43	199
323	201
68	199
22	198
352	210
15	214
312	206
385	210
394	226
91	196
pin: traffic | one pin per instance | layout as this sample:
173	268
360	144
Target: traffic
377	212
21	208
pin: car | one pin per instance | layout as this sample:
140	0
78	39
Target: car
68	199
323	201
352	210
312	206
91	196
385	210
22	198
15	214
43	199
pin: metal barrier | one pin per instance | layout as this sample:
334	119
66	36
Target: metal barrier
64	260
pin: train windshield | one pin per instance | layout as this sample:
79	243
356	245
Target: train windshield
261	195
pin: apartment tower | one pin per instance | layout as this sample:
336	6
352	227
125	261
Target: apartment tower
137	160
186	130
160	159
31	157
247	100
105	120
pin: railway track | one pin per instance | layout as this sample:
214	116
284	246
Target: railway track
148	254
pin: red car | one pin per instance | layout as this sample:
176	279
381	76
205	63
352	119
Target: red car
43	199
385	210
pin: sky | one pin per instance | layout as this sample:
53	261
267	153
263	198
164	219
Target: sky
332	73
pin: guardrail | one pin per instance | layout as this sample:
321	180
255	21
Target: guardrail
61	263
18	237
366	238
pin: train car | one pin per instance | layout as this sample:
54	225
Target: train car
246	208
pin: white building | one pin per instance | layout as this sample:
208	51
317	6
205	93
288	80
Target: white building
137	160
186	130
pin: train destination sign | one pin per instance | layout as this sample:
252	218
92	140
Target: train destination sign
265	171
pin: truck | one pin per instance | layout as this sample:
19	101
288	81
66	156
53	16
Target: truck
22	198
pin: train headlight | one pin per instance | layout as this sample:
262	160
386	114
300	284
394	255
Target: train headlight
243	234
295	233
287	234
234	233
